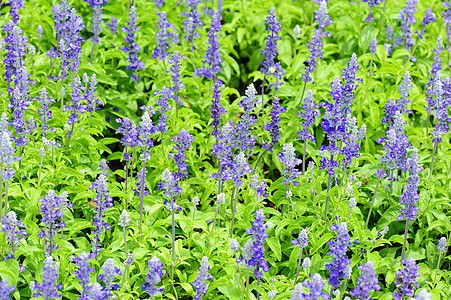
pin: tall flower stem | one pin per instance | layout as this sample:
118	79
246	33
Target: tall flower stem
427	123
1	188
302	96
162	145
327	197
405	238
372	203
125	240
299	267
258	160
70	135
141	203
303	156
382	15
343	289
436	271
263	93
314	195
434	151
126	170
233	210
6	197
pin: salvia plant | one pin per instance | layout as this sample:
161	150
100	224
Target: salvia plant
139	164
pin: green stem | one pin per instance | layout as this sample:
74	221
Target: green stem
405	238
302	96
263	93
434	150
6	197
303	157
141	203
233	210
372	203
436	271
258	160
327	197
427	123
299	266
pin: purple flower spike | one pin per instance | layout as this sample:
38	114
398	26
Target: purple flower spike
153	277
96	19
5	290
407	19
216	109
83	272
7	155
192	22
442	244
259	187
274	126
213	61
52	209
367	282
371	4
163	103
44	111
164	37
268	65
177	84
103	201
447	18
338	248
373	45
200	284
14	232
257	258
410	196
49	288
108	275
15	6
131	46
310	111
315	287
316	44
171	189
406	279
302	240
288	158
244	139
429	17
183	143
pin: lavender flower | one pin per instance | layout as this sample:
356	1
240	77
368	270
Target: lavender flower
183	143
302	240
216	109
177	84
76	107
308	114
244	140
423	295
52	208
14	232
406	279
222	149
212	62
429	17
83	272
7	157
400	105
447	19
171	188
163	103
192	22
49	288
93	102
349	76
373	43
390	37
288	158
315	289
96	19
257	258
338	248
200	284
274	126
442	244
407	19
238	169
164	37
268	65
15	6
367	282
159	3
5	290
96	292
351	141
44	111
103	201
316	44
113	29
130	136
259	187
124	219
153	277
371	4
108	275
410	195
131	46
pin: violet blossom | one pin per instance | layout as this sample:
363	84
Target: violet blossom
131	46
